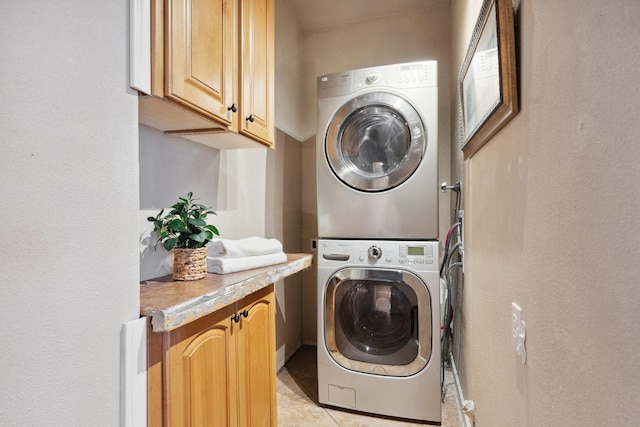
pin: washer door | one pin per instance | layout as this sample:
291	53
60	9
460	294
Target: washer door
378	321
375	141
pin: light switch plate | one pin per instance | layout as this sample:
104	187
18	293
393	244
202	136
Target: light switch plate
518	332
516	318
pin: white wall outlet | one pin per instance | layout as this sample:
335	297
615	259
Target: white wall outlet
518	332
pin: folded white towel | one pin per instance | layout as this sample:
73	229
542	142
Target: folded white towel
244	247
224	265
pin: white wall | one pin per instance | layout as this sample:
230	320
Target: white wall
232	182
550	205
69	199
416	36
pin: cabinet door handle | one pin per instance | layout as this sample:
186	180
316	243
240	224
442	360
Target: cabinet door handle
233	107
245	313
235	317
251	118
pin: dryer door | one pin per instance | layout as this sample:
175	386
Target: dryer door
375	141
378	321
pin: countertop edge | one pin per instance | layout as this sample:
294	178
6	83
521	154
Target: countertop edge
170	318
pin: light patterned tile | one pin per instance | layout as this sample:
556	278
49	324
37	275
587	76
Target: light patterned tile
301	413
295	409
352	419
287	386
450	410
298	407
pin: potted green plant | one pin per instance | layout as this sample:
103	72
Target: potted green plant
185	232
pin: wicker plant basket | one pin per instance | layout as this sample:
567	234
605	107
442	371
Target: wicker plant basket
189	264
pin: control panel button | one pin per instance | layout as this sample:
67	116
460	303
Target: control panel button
374	253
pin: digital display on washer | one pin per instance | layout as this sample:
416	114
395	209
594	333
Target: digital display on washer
415	250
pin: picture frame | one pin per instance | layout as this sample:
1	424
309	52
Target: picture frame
487	82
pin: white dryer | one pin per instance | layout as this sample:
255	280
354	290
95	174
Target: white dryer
377	153
379	327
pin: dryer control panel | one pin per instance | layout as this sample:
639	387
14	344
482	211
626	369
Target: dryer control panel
399	76
418	255
416	74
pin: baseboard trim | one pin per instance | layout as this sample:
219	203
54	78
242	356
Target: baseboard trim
280	364
459	395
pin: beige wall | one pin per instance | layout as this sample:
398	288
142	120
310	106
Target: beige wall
551	208
419	35
464	14
283	191
288	71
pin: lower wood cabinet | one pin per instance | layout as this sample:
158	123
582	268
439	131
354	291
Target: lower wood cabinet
218	370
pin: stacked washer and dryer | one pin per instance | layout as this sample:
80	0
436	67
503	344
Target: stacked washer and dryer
378	269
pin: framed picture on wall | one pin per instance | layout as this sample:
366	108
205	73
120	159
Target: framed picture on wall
487	83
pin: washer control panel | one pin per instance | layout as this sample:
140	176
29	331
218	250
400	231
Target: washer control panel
416	254
419	255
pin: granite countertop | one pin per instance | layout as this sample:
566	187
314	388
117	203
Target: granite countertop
171	304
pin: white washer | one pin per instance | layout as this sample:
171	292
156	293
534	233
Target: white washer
377	153
379	327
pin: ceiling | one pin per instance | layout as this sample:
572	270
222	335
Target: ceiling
314	14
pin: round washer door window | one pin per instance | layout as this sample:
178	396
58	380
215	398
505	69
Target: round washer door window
378	321
375	142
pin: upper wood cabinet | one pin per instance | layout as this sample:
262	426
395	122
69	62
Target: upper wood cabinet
212	70
200	55
257	67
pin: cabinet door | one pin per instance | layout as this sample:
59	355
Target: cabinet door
202	386
256	69
256	364
199	56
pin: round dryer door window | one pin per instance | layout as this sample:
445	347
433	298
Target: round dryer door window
375	142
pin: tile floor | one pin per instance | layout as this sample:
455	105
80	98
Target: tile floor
298	406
